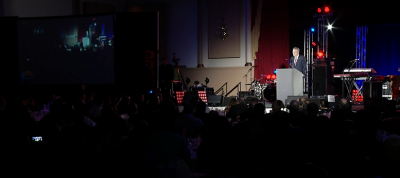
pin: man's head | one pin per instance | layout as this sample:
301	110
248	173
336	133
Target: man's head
294	104
296	51
277	105
312	109
126	99
344	104
302	102
196	82
253	101
187	108
307	101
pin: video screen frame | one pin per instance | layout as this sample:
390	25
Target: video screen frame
66	49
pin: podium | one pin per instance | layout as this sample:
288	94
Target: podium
289	83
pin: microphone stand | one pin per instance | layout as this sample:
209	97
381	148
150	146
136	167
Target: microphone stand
248	71
352	63
290	64
180	76
349	66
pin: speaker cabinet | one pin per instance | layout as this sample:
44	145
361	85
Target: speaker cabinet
395	87
387	90
321	102
372	89
227	100
214	99
291	98
319	80
246	94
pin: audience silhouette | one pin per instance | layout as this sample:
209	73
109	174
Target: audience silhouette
148	136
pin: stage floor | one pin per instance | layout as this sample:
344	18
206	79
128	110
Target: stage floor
268	107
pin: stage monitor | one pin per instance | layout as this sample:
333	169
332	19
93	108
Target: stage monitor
66	50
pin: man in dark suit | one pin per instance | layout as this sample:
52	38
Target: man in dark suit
298	61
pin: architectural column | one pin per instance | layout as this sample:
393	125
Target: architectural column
200	23
247	31
1	8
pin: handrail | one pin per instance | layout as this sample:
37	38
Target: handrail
238	85
221	88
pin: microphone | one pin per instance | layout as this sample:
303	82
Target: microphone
290	63
354	60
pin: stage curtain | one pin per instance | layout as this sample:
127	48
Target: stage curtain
383	44
255	27
273	42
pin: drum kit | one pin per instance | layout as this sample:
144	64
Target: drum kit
262	91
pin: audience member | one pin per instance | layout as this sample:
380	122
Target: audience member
297	117
187	121
156	137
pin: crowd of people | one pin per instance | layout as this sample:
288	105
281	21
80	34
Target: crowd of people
147	136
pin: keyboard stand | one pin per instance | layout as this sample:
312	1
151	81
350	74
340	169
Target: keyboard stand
350	83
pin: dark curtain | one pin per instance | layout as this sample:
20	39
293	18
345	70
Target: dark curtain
383	44
273	44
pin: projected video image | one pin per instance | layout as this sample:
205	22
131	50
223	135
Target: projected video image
66	50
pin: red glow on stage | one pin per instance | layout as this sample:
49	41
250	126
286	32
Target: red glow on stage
357	97
202	95
273	77
326	9
179	96
268	77
320	54
319	10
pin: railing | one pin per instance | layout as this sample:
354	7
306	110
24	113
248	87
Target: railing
238	85
222	88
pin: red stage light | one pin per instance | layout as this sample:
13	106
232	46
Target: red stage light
268	77
320	54
273	77
326	9
319	10
314	44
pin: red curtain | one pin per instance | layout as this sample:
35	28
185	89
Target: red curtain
273	45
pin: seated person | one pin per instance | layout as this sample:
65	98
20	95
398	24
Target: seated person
197	84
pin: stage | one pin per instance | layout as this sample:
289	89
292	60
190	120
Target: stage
268	107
